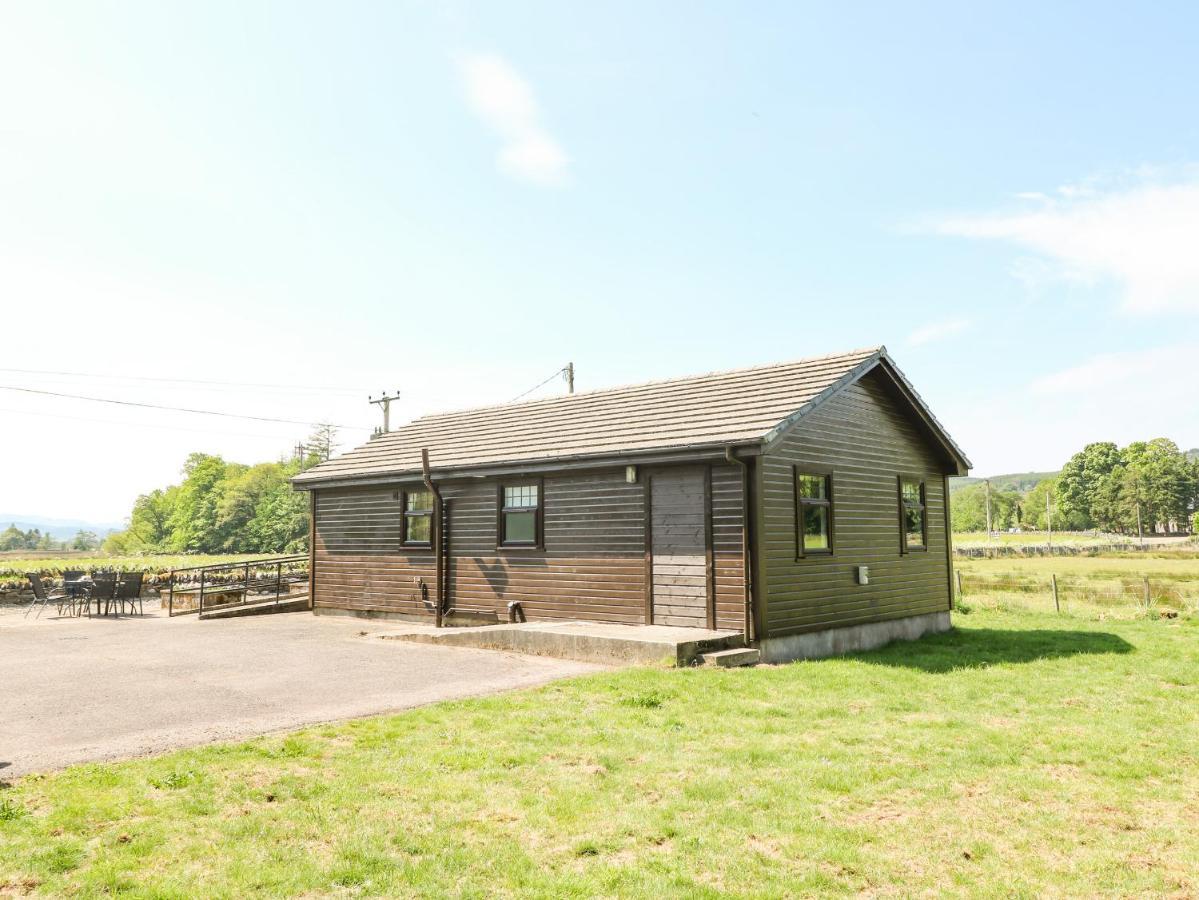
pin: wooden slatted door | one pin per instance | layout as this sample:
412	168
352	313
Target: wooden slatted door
679	547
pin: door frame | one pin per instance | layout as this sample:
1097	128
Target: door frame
709	554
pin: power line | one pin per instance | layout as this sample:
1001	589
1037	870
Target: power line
298	387
156	425
199	412
565	370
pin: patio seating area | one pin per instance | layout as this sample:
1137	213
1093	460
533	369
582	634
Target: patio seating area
105	593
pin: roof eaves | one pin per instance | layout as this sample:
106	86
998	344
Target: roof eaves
644	455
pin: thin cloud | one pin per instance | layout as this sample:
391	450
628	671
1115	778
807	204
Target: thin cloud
504	101
937	331
1131	371
1139	235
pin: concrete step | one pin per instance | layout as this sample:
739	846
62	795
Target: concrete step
726	659
587	641
287	604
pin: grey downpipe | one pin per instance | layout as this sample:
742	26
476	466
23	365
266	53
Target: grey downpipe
438	605
746	549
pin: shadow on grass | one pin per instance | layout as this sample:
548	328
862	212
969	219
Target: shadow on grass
977	648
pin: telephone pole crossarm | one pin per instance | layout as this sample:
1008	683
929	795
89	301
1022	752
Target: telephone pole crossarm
384	401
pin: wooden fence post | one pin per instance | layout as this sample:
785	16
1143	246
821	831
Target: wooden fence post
1147	602
1056	604
961	595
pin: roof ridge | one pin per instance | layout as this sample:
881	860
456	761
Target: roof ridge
566	398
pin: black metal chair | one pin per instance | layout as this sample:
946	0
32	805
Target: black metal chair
42	596
129	590
70	579
103	589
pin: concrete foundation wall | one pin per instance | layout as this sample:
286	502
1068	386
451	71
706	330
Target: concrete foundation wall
451	618
835	641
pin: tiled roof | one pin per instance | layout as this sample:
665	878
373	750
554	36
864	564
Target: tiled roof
736	407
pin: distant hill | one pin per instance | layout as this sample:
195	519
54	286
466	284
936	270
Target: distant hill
1018	481
59	529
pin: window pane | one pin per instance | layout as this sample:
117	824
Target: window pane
911	491
914	525
815	528
524	496
420	529
520	528
813	487
419	500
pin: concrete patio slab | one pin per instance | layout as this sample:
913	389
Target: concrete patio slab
585	641
77	690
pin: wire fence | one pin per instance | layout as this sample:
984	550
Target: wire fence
1167	593
1096	548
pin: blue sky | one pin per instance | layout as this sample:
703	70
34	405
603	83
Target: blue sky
456	199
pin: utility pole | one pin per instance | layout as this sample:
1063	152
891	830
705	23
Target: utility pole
384	401
570	378
987	485
1140	531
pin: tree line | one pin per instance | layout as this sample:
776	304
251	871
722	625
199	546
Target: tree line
13	538
224	507
1148	486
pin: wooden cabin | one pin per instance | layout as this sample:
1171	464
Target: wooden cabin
803	503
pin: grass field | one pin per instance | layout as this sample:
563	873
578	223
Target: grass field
1030	538
1103	585
1077	539
1024	754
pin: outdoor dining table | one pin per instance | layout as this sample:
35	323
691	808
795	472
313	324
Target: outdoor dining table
80	587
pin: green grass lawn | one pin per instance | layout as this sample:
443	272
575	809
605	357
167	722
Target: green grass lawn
1021	755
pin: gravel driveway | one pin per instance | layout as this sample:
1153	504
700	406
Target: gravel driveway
76	690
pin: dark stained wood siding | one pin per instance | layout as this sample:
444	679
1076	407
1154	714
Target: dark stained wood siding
357	562
679	539
727	523
867	439
592	566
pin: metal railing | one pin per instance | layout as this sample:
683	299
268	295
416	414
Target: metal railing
199	589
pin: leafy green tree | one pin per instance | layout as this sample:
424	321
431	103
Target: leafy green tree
968	507
1033	509
1080	479
1161	479
221	507
85	540
196	520
12	538
280	523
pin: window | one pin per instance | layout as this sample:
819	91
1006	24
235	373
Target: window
520	515
913	523
418	518
813	513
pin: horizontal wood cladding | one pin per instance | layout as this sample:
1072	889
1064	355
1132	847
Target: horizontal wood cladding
866	439
592	566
